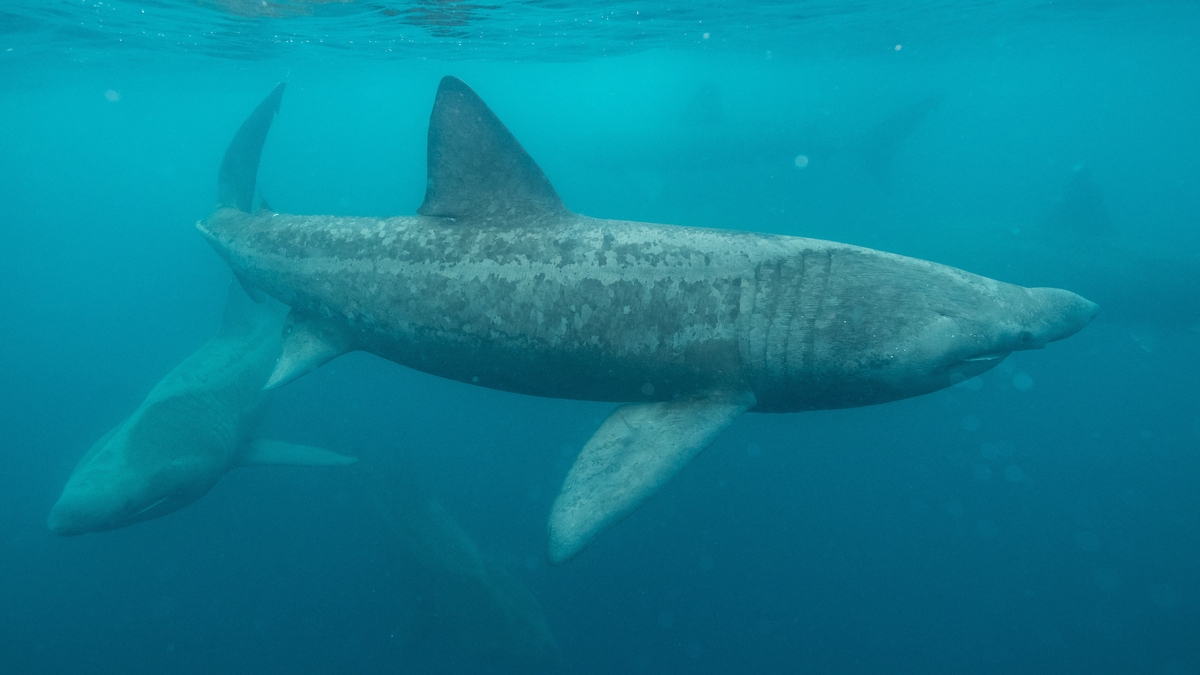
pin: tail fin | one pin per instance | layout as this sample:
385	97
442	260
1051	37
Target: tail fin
235	182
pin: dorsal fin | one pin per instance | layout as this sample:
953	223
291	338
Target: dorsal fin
235	182
477	169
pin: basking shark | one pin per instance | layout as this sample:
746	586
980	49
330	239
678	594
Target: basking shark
496	283
195	425
476	603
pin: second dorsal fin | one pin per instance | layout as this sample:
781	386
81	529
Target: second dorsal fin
476	168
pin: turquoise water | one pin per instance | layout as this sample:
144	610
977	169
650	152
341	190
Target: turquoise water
1040	518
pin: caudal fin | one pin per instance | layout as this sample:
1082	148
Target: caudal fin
235	182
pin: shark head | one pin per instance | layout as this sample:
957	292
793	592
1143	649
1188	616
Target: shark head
972	330
148	467
102	497
1031	319
890	328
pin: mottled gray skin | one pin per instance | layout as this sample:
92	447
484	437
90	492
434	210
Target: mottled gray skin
497	283
567	306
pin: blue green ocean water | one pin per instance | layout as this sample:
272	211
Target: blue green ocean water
1041	518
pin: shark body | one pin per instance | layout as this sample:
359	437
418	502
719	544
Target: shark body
497	283
193	427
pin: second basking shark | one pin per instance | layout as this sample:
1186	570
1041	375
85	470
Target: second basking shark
194	426
497	283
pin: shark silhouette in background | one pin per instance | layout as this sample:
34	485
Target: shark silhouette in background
876	150
471	600
704	139
1076	244
194	426
1079	209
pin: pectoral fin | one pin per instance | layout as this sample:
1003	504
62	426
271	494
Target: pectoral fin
264	451
251	290
635	452
308	344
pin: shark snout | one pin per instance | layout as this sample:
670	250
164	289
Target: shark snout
83	508
1056	314
70	517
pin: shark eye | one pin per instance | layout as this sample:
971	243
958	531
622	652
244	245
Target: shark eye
1025	338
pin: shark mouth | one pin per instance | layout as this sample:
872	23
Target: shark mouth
986	358
144	513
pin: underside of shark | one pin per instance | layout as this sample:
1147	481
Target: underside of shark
194	426
497	283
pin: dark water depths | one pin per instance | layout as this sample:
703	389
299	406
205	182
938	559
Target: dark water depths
1041	518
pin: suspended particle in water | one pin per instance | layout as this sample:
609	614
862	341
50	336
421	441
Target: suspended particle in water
705	36
112	96
1022	382
898	47
801	161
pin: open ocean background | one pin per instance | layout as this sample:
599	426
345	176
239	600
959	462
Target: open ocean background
1043	518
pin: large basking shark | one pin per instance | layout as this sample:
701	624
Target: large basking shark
195	425
497	283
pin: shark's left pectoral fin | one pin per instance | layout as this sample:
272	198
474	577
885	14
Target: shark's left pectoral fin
308	344
280	453
635	452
